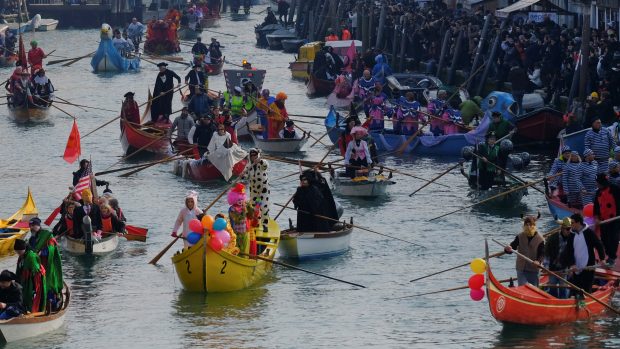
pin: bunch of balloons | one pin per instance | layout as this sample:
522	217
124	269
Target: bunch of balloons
588	214
476	281
219	237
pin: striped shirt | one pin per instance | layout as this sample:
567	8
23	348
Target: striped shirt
588	180
601	143
571	178
557	167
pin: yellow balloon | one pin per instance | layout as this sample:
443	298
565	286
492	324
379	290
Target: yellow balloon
478	265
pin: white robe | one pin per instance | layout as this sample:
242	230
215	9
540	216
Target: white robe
224	158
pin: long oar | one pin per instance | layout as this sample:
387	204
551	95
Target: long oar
505	171
118	117
498	254
406	143
441	291
68	59
353	225
67	102
64	101
308	116
561	279
77	59
495	196
301	269
124	158
434	179
170	158
213	31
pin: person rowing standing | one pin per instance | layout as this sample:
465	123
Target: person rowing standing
161	107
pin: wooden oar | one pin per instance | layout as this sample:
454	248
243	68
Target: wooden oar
300	269
67	102
128	236
124	158
64	101
441	291
498	254
505	171
446	121
495	196
308	116
170	158
561	279
69	59
77	59
213	31
353	225
434	179
133	166
406	143
167	60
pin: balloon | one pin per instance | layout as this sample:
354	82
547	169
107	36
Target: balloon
195	225
476	281
193	238
589	221
207	222
476	294
588	210
216	244
219	224
478	265
224	236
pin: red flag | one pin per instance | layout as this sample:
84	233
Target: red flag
52	216
73	150
22	53
351	52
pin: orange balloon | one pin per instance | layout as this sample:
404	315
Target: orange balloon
207	222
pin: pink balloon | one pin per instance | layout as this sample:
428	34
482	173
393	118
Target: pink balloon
476	281
476	295
224	236
216	244
195	226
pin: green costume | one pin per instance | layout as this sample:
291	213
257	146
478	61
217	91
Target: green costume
47	247
501	128
469	109
31	275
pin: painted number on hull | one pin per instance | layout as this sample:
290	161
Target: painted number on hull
223	267
188	271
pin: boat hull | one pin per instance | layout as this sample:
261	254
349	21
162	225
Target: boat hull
202	171
214	69
279	145
20	114
369	188
510	200
188	34
133	139
201	269
299	70
78	246
540	126
46	25
108	59
559	210
314	245
318	87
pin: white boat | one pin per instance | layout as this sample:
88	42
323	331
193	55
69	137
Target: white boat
310	245
34	324
279	145
47	24
99	247
363	186
241	127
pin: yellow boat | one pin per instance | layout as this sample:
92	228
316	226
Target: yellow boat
16	226
303	62
221	271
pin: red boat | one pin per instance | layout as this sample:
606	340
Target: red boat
529	305
539	126
214	69
144	138
203	171
319	88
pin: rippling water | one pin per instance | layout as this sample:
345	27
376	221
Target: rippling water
121	301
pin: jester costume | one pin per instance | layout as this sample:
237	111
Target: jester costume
436	107
376	111
44	243
31	275
239	212
452	118
407	117
365	87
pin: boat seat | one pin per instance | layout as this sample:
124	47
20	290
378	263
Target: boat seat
264	243
538	292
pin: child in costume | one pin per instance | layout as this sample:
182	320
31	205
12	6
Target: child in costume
239	212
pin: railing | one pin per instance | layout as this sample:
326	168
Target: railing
69	2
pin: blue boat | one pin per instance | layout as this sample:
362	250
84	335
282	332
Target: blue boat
426	144
576	140
560	210
108	59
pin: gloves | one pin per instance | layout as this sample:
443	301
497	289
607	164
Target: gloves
174	234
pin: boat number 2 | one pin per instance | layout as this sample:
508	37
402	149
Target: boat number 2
188	271
223	267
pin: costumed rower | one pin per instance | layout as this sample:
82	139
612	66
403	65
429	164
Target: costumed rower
436	107
489	154
346	136
161	106
308	198
377	107
554	248
45	245
183	124
31	275
201	133
532	245
589	168
288	132
130	110
407	117
262	109
278	116
89	209
555	184
606	206
357	156
601	141
500	126
571	181
186	214
223	153
258	179
36	55
239	213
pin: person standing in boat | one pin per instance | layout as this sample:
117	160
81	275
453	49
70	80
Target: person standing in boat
601	141
288	132
65	224
11	296
223	153
130	111
263	109
195	79
571	181
532	245
135	31
579	254
452	118
43	88
309	202
278	115
201	133
407	115
489	156
239	212
256	174
161	106
436	107
377	109
215	52
186	214
43	243
36	55
357	155
270	18
87	208
183	124
109	220
85	166
606	206
500	126
31	276
555	184
346	136
329	204
589	169
22	90
365	85
554	249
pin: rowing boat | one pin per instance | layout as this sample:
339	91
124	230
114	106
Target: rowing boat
362	186
313	245
16	226
201	269
317	87
214	69
279	145
28	113
90	246
558	209
511	199
108	59
148	139
34	324
529	305
202	171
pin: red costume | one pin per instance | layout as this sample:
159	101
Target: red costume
131	112
35	57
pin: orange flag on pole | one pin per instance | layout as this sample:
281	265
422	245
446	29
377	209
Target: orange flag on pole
22	53
73	150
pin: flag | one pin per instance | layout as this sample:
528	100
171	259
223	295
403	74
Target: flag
73	150
22	53
84	181
351	52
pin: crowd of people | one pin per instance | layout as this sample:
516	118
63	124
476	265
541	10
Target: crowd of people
26	89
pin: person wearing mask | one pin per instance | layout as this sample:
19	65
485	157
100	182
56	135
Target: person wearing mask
532	245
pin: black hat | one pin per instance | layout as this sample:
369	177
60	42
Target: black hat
199	39
19	245
491	134
129	94
162	64
289	123
7	276
35	221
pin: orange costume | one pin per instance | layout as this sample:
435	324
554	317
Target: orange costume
277	116
332	37
346	34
